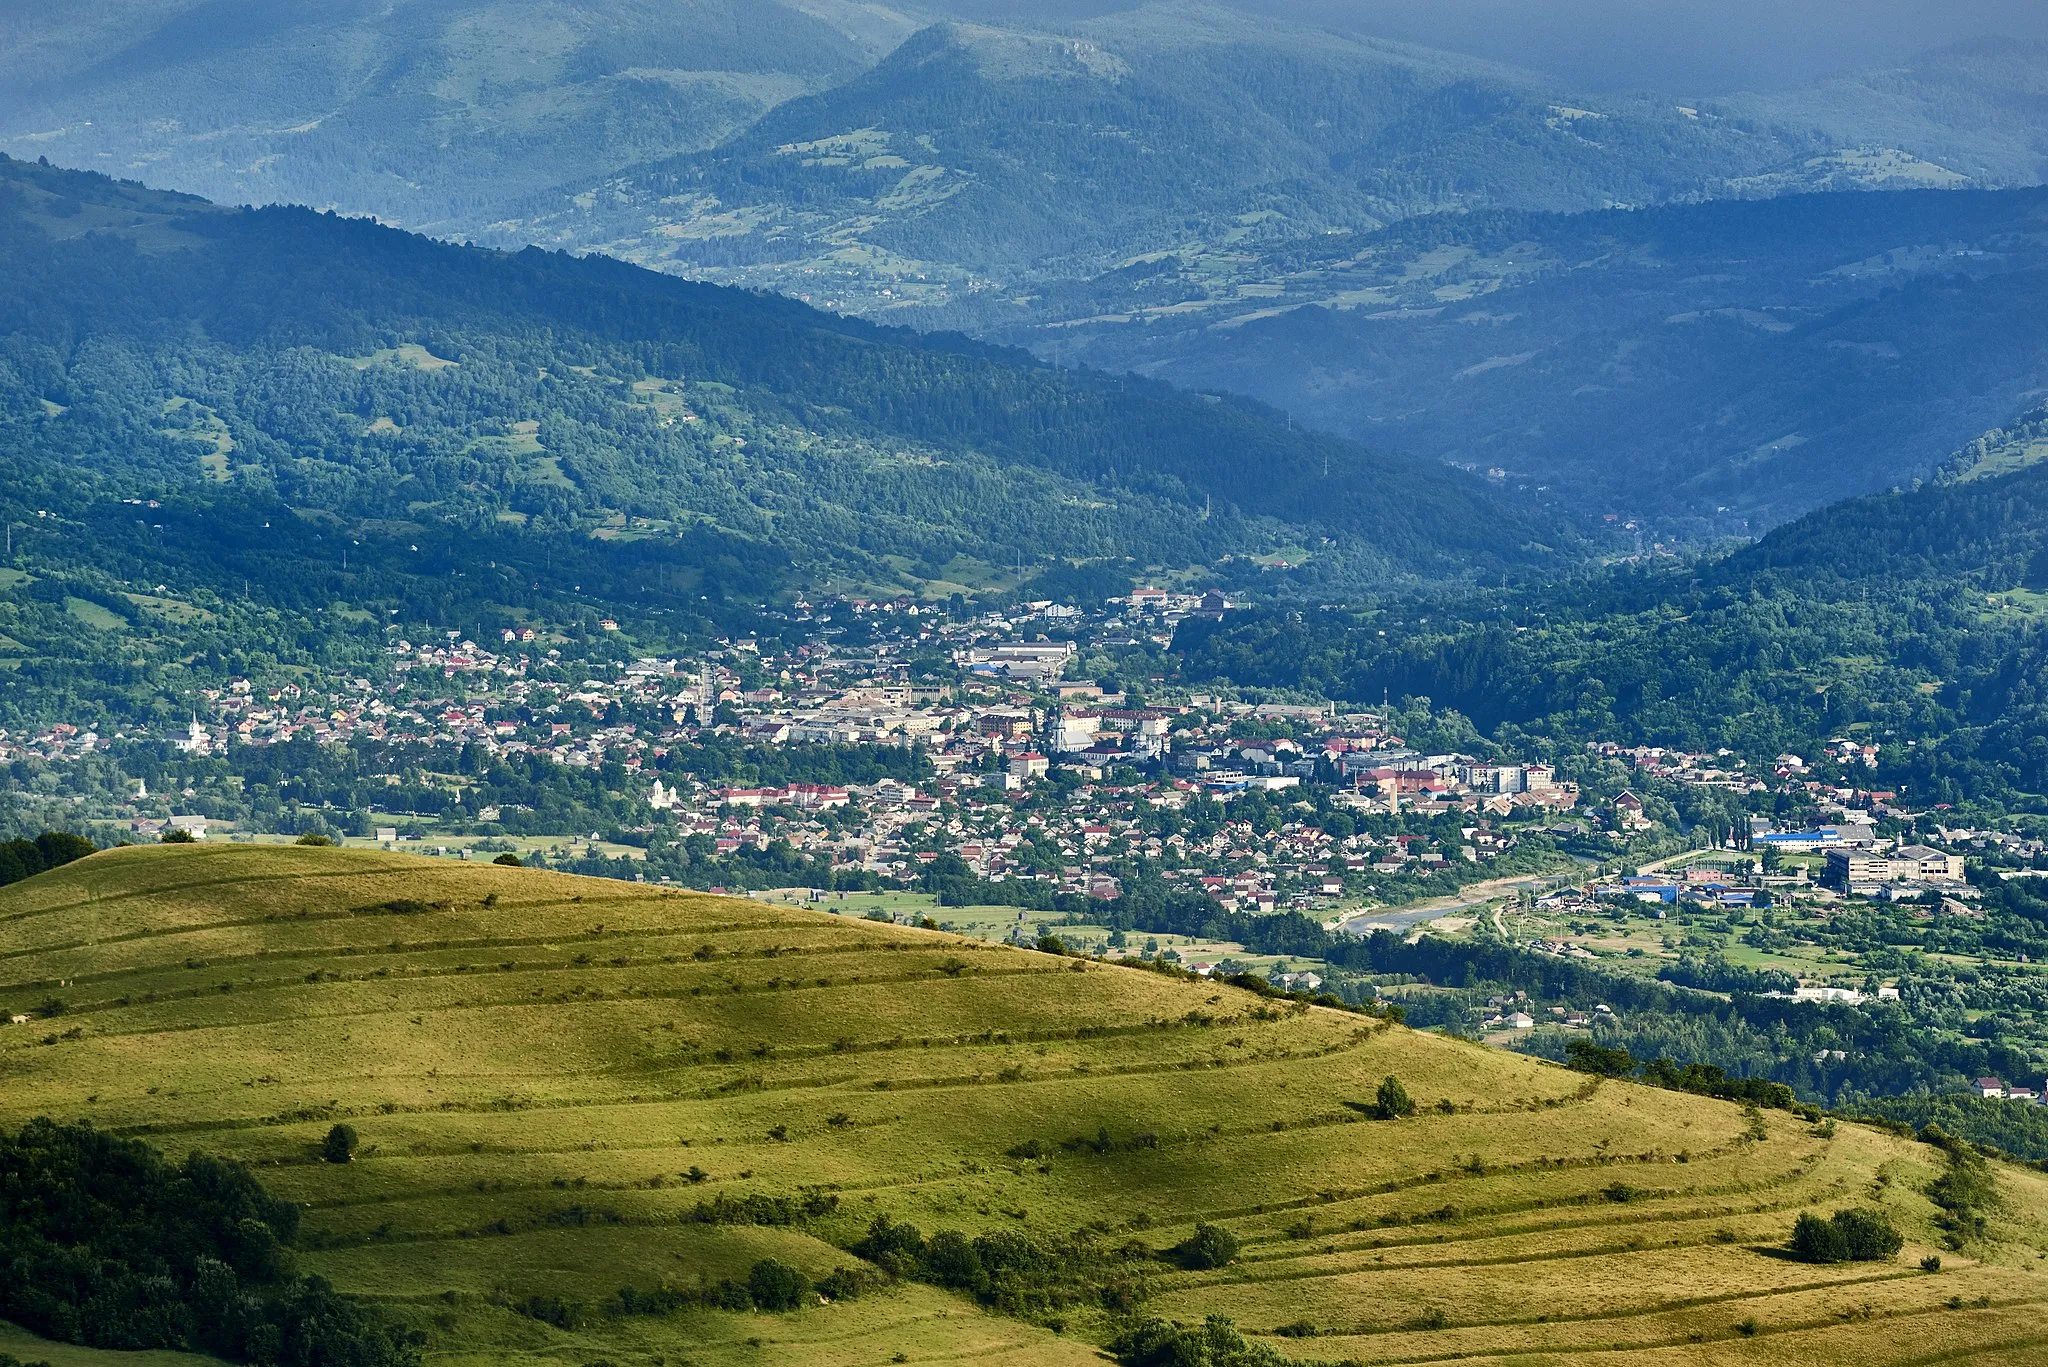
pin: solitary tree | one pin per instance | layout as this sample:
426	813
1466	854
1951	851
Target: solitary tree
510	861
1393	1101
1209	1246
777	1286
340	1145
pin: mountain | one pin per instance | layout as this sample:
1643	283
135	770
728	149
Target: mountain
1979	109
854	147
290	411
976	160
424	112
585	1113
1713	368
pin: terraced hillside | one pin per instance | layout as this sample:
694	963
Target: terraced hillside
566	1087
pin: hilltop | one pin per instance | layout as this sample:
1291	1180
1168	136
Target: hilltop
565	1087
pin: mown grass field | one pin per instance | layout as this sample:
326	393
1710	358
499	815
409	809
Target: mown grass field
535	1064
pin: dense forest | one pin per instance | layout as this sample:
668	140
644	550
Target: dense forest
1912	618
434	434
105	1242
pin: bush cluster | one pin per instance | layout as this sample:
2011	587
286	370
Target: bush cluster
770	1285
1209	1246
758	1208
1154	1342
1966	1191
1004	1270
1703	1079
105	1243
1849	1236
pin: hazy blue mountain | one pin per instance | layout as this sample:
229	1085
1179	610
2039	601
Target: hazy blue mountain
426	112
1176	189
800	144
977	161
1726	365
1979	109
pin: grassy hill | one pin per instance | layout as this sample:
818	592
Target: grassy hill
556	1080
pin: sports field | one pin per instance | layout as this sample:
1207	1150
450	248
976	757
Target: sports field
550	1076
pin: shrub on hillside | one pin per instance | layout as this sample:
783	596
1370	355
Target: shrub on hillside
759	1208
896	1248
1393	1101
1584	1056
1966	1191
553	1310
1155	1342
340	1144
1209	1246
777	1286
845	1284
510	861
1005	1270
729	1295
1849	1236
950	1260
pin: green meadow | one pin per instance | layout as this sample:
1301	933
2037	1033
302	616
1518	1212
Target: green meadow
553	1079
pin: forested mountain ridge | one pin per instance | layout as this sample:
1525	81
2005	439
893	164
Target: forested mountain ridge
1914	619
1175	189
1161	126
474	435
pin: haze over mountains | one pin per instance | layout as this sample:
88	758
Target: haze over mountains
1725	364
1196	192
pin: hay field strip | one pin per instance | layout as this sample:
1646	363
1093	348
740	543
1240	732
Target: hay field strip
552	1075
